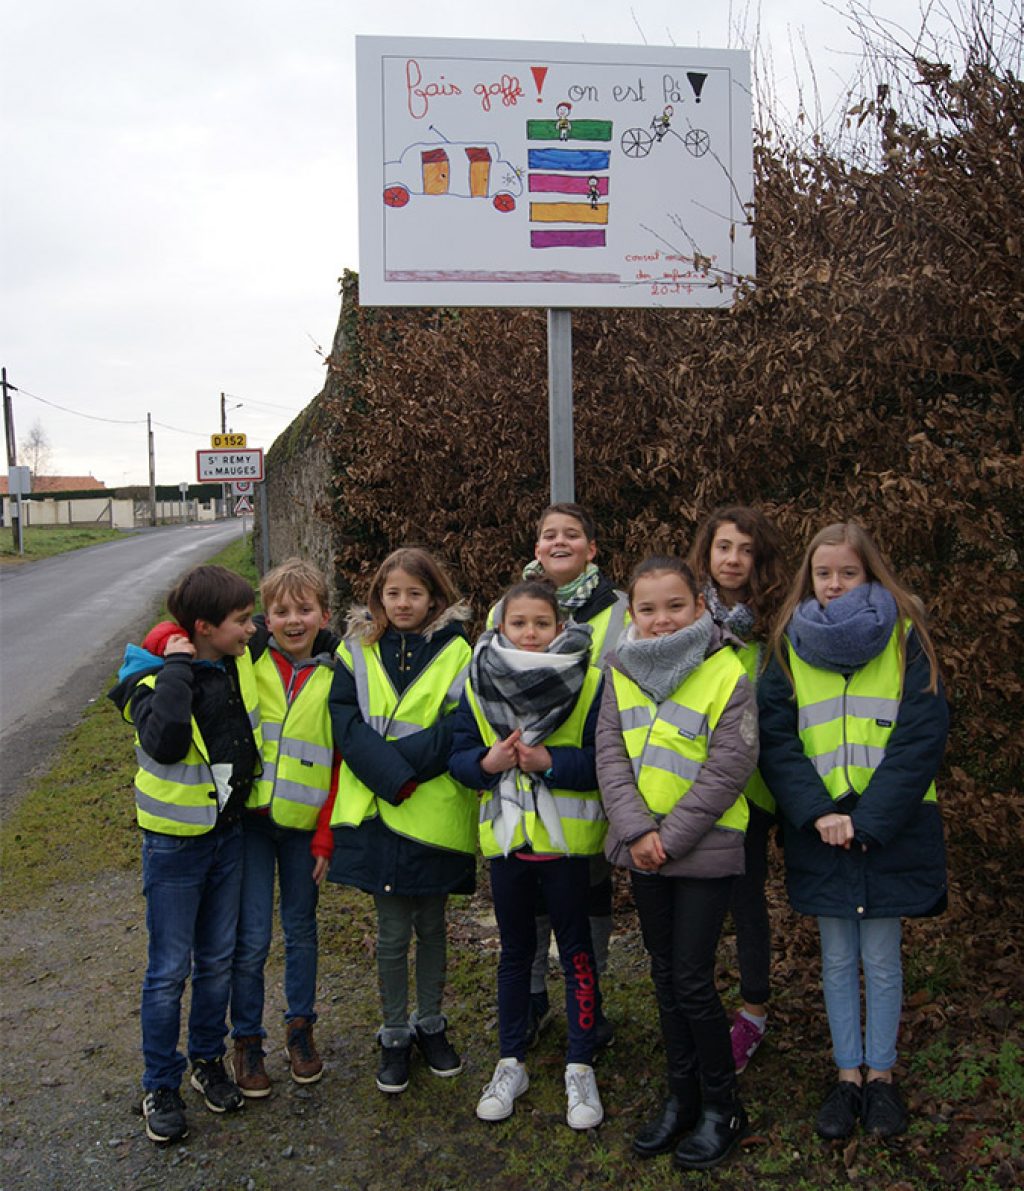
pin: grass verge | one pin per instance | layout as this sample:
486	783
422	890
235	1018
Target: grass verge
45	541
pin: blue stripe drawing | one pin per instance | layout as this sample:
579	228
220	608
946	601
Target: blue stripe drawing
568	159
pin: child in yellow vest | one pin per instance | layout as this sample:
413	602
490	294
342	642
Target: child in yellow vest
524	737
563	555
853	727
676	744
736	559
404	830
293	661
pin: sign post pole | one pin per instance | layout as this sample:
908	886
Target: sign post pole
560	436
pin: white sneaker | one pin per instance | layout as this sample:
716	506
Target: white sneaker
584	1109
508	1081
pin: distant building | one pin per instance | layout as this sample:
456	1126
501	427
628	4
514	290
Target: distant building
59	484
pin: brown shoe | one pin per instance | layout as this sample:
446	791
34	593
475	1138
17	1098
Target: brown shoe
247	1062
306	1064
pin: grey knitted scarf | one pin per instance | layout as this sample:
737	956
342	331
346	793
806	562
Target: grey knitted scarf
659	664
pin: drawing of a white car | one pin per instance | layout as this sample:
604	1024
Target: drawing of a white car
465	169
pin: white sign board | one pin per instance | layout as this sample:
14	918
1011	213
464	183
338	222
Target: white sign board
228	466
242	487
503	173
242	506
19	481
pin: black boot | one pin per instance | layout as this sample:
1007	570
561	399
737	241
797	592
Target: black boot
721	1124
678	1115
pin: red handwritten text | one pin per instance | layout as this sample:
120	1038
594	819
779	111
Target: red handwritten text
419	94
508	90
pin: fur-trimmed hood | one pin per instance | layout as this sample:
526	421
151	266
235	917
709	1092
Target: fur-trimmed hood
359	622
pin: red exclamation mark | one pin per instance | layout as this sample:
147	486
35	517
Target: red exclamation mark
539	75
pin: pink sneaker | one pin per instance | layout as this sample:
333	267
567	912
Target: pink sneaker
746	1038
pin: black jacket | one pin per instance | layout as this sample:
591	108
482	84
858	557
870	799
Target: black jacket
896	865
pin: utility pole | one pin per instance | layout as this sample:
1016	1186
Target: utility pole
223	416
12	455
152	471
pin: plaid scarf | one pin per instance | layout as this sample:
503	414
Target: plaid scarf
535	692
576	592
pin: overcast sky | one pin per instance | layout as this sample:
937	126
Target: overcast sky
179	193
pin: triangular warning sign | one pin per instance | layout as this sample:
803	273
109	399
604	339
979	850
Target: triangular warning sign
243	505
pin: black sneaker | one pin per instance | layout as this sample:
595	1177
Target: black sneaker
884	1111
164	1113
840	1111
438	1053
393	1070
219	1091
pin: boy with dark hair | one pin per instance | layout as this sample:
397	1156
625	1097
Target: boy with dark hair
197	739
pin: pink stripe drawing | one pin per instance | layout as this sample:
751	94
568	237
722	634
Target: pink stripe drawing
564	184
591	238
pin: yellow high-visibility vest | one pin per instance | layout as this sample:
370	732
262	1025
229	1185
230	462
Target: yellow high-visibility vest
440	812
298	746
584	824
181	798
845	721
667	743
756	790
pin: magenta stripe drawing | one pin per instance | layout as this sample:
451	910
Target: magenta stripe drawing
564	184
554	239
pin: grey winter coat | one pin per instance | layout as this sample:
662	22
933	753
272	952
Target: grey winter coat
694	845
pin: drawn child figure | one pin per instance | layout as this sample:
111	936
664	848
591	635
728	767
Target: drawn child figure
676	744
197	738
853	727
562	122
564	554
293	659
736	559
524	737
593	191
404	829
661	124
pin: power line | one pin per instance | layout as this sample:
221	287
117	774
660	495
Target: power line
266	404
79	414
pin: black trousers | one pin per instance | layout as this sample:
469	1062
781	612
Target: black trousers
750	911
681	920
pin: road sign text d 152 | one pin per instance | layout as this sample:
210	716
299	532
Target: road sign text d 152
228	466
229	442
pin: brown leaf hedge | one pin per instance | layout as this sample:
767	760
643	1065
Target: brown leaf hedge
872	370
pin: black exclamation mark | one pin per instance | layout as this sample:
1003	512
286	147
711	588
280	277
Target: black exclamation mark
696	82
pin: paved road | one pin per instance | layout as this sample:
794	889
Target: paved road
63	624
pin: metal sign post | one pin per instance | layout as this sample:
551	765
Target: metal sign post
560	438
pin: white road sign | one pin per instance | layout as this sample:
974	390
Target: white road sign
229	466
243	505
242	487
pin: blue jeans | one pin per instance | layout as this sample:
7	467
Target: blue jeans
565	884
269	847
192	886
846	944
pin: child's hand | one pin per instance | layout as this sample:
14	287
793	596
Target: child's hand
179	643
532	758
647	852
320	866
502	755
835	829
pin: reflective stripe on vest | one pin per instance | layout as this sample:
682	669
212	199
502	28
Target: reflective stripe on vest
667	743
440	812
298	750
845	722
181	798
756	788
584	824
